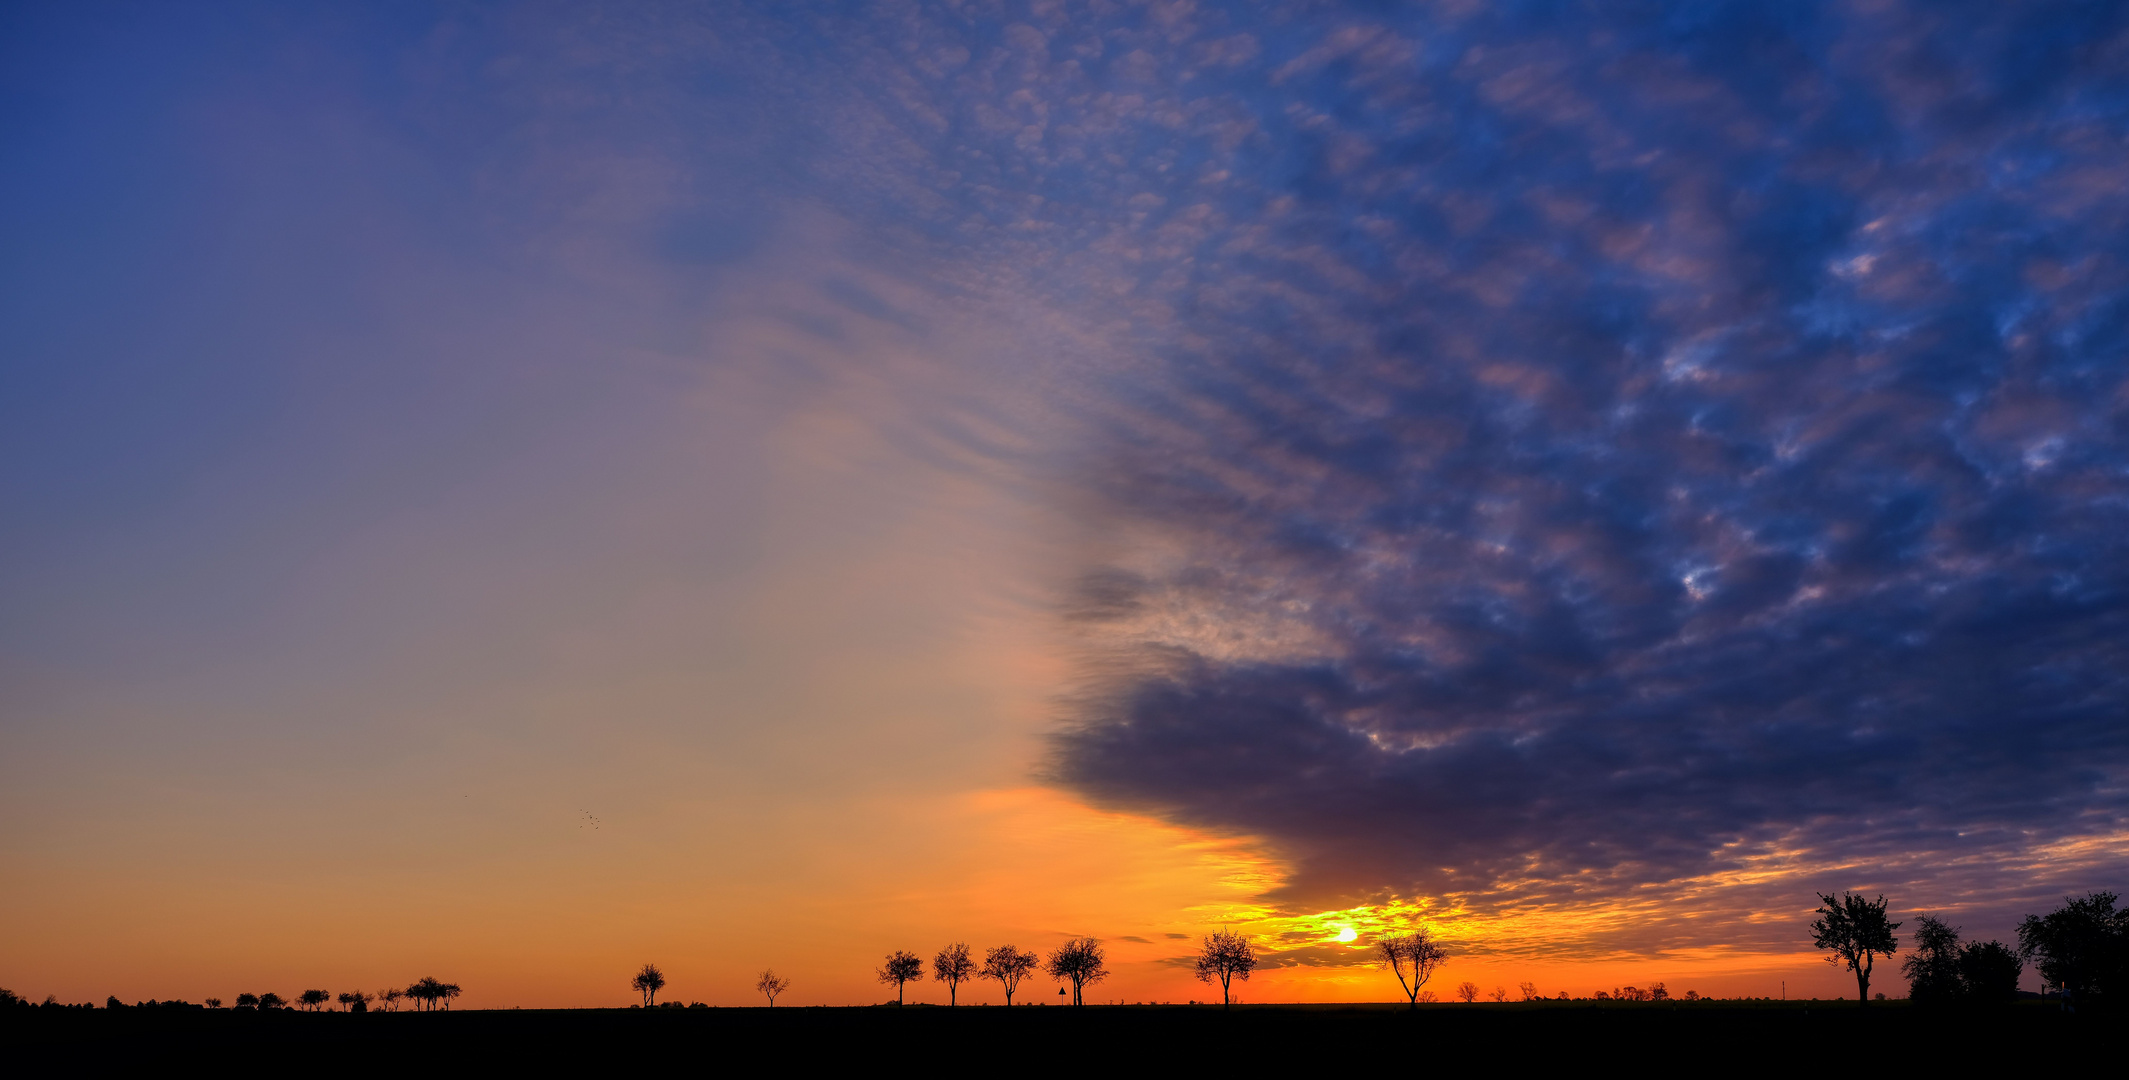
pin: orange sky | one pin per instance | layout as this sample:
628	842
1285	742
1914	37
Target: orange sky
760	680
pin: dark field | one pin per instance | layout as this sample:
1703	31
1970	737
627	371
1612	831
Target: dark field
1717	1038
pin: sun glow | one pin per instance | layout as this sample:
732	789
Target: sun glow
1346	933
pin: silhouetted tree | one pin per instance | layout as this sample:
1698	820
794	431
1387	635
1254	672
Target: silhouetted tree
1079	962
1226	956
1008	965
1414	957
356	1001
390	995
1932	969
1467	991
430	995
270	1000
214	1003
1942	970
771	985
1989	971
2083	946
1856	932
313	1000
953	966
648	982
1529	991
247	1001
9	999
900	968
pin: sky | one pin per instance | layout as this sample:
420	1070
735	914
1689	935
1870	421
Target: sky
511	492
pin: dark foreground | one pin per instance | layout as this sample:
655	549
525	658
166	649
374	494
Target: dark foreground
1704	1038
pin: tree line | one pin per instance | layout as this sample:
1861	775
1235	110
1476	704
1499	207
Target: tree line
425	995
1078	963
2081	950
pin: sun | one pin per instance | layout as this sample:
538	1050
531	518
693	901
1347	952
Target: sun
1346	933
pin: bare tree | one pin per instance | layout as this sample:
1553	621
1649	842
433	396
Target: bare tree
900	968
390	995
772	984
1529	991
953	966
1414	957
1008	965
1079	962
1500	993
648	982
1467	991
1855	931
1226	956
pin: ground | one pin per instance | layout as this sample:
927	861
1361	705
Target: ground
1709	1038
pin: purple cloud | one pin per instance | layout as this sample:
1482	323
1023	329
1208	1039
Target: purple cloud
1590	451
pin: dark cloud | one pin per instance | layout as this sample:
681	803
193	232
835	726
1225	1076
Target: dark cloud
1574	447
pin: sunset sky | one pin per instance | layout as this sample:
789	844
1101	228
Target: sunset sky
510	492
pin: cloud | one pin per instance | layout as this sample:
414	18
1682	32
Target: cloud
1593	454
1542	457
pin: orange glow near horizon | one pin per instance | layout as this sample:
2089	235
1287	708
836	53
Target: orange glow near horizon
1027	865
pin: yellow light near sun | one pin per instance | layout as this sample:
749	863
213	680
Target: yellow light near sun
1346	933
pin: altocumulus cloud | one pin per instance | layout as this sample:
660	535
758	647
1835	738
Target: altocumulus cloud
1577	448
1569	448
